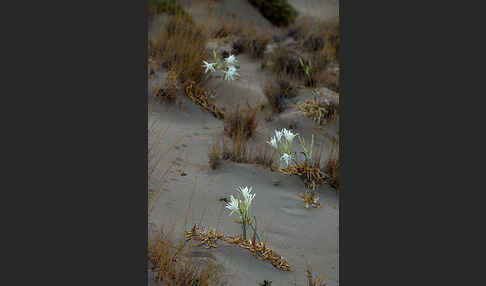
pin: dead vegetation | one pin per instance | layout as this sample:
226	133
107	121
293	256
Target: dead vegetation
173	264
313	176
241	122
240	151
245	37
310	279
320	109
276	91
209	239
200	96
331	166
214	155
180	46
312	56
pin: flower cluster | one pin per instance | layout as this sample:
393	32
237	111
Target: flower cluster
241	206
283	141
229	66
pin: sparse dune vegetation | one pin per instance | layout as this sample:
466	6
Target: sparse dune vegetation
250	158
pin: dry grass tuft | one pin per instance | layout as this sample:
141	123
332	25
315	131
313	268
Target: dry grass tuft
331	166
180	46
276	91
285	61
319	109
239	151
173	264
241	123
317	46
254	40
214	155
310	279
313	176
170	7
170	91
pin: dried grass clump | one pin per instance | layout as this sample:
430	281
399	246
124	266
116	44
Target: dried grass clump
319	109
169	7
214	156
331	166
332	42
311	282
173	265
285	61
313	176
209	238
239	151
276	91
225	27
255	40
180	46
241	121
170	91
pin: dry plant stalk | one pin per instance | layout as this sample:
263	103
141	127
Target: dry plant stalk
260	250
199	96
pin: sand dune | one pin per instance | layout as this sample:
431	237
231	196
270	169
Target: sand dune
303	236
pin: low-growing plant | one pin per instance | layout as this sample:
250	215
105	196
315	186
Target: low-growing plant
308	169
260	249
319	109
278	12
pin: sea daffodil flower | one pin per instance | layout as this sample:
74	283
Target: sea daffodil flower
209	66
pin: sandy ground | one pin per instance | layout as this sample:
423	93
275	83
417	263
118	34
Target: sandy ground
323	9
303	236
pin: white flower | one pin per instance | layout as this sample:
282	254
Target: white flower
289	135
247	195
273	142
233	206
278	134
231	60
230	73
209	66
286	157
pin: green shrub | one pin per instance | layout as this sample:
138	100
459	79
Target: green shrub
278	12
